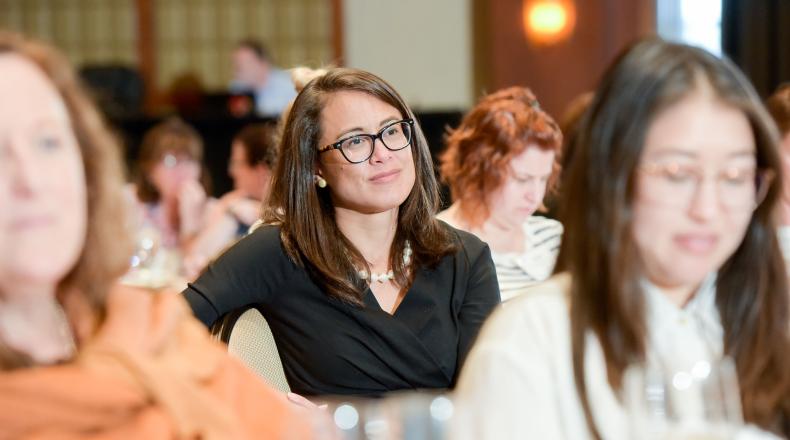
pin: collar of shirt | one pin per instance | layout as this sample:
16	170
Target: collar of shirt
682	336
537	261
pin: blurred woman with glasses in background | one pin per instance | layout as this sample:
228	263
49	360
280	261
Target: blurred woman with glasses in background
170	204
364	290
673	265
170	185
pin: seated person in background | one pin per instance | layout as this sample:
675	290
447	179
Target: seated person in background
673	265
779	107
170	186
499	163
254	72
81	357
365	291
252	159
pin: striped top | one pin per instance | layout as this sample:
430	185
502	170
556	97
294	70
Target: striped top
516	272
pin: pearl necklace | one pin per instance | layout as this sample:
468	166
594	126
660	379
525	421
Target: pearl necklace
389	275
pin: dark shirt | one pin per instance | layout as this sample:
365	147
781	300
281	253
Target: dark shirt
329	346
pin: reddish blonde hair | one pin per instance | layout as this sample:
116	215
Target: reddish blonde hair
108	246
478	153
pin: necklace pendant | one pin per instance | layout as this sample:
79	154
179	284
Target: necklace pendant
389	275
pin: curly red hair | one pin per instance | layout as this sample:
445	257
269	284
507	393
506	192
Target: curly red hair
478	153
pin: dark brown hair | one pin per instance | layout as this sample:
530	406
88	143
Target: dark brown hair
478	153
107	249
305	212
258	143
779	106
258	48
569	123
752	288
174	136
571	120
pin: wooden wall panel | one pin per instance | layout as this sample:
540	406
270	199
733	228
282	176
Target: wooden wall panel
559	72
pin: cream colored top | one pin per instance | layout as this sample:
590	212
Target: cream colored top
517	272
783	234
518	383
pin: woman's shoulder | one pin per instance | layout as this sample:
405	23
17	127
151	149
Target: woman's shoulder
262	238
537	312
537	224
466	241
257	250
449	216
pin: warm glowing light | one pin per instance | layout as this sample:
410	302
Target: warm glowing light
548	21
547	18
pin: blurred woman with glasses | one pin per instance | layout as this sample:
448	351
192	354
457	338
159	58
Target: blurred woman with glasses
80	356
499	163
170	186
364	290
672	261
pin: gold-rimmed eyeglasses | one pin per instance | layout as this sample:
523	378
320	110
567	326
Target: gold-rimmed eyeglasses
676	184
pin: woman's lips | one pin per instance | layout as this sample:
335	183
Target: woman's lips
23	224
385	177
700	244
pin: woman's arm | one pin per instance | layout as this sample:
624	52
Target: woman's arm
502	397
216	235
508	387
248	273
482	296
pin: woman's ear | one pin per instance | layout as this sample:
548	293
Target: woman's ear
318	177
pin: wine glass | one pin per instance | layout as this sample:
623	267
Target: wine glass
152	265
413	415
700	402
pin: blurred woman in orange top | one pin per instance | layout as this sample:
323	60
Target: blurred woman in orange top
80	357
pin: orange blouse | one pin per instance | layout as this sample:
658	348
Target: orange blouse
151	371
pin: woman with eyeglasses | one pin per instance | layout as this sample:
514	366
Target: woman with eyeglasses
364	290
673	265
170	187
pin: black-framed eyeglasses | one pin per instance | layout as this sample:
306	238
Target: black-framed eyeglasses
359	147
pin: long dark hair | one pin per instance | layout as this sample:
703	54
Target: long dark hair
596	209
305	212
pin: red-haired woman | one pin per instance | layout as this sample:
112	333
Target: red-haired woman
499	164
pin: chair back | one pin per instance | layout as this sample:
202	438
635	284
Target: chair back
250	339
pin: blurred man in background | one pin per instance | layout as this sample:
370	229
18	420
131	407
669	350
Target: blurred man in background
254	72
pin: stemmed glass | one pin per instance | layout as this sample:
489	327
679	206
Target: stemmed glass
701	402
152	265
412	415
